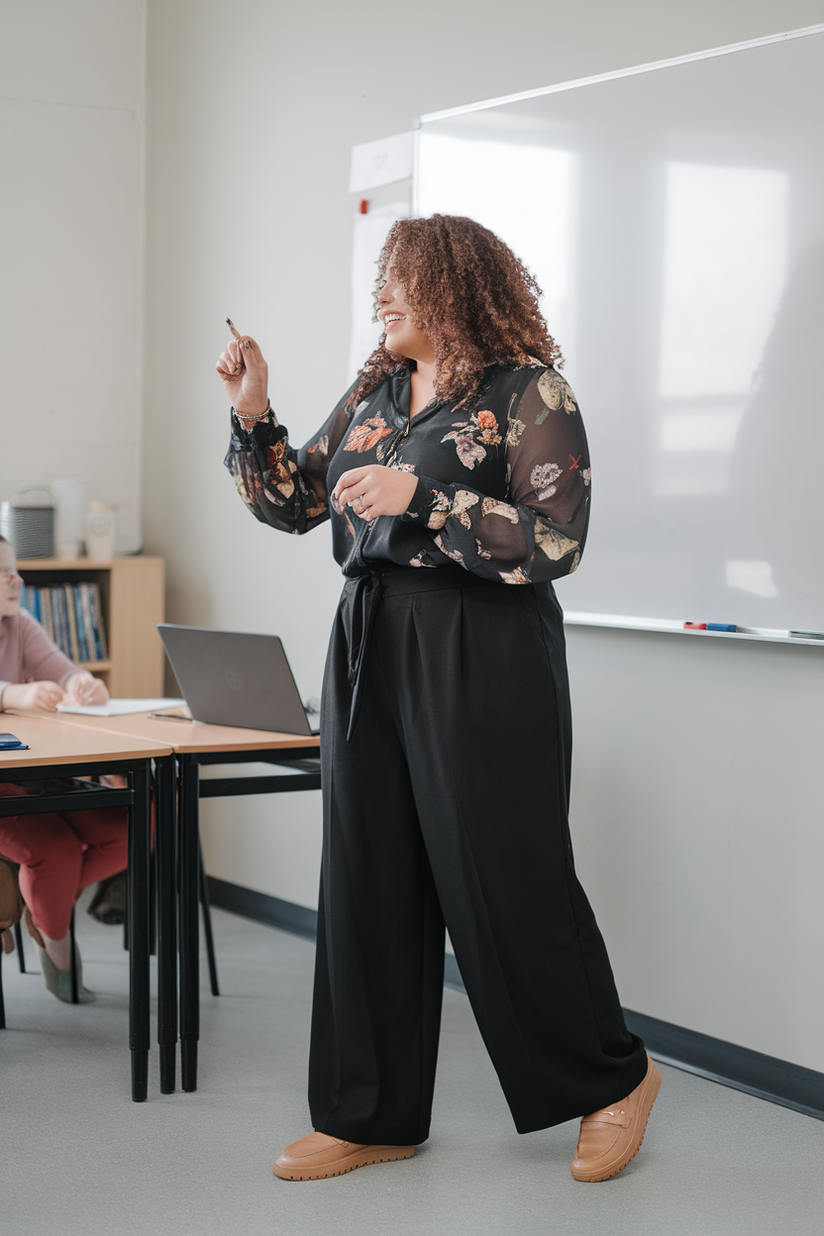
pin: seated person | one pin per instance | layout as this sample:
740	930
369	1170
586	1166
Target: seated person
59	853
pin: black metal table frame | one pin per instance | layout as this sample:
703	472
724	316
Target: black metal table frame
137	799
191	790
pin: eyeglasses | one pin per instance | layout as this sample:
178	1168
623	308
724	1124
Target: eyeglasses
9	577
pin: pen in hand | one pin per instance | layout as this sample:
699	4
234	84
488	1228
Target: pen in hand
244	373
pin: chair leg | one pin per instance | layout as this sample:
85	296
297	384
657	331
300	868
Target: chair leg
75	996
207	920
2	1002
18	936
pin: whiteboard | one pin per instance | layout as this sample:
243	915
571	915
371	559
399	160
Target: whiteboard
674	216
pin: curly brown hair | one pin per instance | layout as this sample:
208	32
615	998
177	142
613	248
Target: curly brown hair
471	296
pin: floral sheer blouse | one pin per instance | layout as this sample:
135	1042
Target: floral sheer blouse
503	485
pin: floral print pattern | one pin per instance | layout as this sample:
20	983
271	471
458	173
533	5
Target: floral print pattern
421	559
490	506
554	544
555	393
542	476
514	577
454	554
513	437
472	437
367	435
439	511
463	502
281	470
321	447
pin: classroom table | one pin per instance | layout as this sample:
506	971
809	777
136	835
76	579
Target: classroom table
195	744
58	748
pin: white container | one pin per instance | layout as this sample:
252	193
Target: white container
100	530
71	497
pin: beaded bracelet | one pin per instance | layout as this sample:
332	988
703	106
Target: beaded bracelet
252	420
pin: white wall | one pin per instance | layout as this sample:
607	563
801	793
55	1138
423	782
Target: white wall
697	811
252	109
72	89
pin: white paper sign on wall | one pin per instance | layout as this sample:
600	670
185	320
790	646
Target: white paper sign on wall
381	162
368	237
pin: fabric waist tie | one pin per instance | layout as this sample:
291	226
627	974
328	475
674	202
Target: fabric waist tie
359	604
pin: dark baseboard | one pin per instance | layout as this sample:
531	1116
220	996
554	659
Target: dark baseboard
263	909
766	1077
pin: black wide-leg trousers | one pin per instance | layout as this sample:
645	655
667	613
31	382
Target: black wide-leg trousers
449	803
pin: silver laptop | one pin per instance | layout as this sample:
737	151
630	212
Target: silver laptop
228	678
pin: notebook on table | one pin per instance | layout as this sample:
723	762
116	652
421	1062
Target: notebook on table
229	678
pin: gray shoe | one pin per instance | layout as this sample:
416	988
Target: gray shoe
59	982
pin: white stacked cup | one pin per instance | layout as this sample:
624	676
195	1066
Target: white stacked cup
101	530
71	496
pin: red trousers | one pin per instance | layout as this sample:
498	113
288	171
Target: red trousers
61	853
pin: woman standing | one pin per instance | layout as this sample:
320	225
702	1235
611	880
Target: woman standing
456	475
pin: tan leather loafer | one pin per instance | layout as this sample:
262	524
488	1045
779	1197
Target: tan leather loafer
612	1137
318	1156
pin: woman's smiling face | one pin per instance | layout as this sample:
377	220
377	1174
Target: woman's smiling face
10	582
402	336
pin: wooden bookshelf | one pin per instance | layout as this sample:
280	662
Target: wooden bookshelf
132	601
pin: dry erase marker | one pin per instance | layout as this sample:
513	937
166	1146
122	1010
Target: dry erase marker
807	634
773	632
695	626
233	328
721	626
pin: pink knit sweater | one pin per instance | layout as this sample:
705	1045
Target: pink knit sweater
27	653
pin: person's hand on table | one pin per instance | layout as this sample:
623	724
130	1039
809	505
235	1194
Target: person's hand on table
84	688
374	490
245	376
44	696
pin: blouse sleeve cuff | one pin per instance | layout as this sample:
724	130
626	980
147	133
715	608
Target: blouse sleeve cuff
421	501
262	431
3	686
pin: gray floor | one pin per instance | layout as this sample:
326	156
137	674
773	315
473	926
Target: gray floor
79	1157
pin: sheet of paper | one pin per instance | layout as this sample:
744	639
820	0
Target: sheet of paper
381	162
119	708
369	234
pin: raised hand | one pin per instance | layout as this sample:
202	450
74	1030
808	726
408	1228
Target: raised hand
245	376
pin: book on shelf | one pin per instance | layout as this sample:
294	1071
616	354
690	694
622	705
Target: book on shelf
72	616
74	643
81	630
98	634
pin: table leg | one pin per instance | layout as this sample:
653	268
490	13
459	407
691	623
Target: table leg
164	848
188	871
139	831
